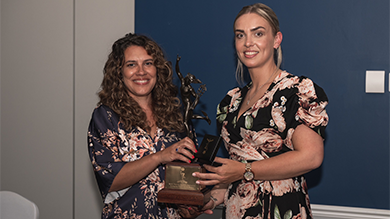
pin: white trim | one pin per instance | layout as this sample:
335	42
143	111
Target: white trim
338	212
115	195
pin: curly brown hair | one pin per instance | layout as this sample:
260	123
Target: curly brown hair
114	93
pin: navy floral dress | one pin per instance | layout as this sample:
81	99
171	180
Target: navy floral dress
110	148
263	131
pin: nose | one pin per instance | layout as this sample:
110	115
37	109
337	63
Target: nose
248	41
141	70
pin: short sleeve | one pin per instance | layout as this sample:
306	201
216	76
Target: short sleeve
103	147
312	101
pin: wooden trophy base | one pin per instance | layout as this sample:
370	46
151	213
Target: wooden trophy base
185	197
180	186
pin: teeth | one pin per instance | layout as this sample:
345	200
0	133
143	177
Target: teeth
250	53
141	81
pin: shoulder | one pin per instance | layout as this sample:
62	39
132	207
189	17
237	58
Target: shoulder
231	94
103	109
104	113
304	85
236	92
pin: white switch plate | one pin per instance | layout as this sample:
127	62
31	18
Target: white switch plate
375	81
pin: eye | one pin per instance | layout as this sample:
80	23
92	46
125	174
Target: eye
149	63
259	34
239	35
129	65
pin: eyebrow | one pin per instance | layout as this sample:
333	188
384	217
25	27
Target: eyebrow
252	30
146	60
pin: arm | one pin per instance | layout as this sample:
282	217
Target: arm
112	171
218	193
307	155
179	74
134	171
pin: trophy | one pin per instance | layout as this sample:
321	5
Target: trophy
180	185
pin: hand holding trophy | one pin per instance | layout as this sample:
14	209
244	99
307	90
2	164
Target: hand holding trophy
180	186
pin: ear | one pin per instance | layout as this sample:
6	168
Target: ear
278	39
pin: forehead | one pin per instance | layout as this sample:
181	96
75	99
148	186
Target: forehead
250	21
136	52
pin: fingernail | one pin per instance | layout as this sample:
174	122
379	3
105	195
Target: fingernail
193	174
189	161
189	208
193	156
196	151
197	182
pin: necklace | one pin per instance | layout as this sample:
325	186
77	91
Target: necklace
250	98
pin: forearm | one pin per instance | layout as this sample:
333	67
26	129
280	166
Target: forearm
218	192
307	155
134	171
287	165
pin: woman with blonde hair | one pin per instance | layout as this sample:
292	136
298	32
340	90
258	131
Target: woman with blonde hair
273	128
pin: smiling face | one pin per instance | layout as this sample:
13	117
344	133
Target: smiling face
255	41
139	72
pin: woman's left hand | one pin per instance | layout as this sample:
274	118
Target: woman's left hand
228	172
186	211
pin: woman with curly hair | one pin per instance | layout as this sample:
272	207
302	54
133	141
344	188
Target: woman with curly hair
136	128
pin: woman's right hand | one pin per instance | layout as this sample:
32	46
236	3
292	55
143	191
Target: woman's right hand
228	172
140	168
183	150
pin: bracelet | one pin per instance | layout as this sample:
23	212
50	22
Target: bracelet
215	202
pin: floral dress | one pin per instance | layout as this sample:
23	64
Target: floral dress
110	148
263	131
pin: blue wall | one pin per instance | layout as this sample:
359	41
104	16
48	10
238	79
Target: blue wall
332	42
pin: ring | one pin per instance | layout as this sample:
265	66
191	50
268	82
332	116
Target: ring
177	149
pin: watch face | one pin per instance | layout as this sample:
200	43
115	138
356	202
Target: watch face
248	176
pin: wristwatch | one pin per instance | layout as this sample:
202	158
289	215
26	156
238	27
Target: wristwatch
248	175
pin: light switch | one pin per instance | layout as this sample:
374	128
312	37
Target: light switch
375	81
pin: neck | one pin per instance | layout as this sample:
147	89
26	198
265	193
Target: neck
147	108
144	102
262	76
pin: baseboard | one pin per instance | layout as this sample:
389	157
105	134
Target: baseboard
338	212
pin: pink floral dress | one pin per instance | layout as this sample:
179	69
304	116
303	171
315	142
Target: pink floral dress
263	131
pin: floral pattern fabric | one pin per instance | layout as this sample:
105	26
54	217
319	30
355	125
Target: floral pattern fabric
263	131
110	148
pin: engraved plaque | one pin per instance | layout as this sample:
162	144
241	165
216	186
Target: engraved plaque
179	176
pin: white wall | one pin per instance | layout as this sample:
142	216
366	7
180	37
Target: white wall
52	55
95	31
0	94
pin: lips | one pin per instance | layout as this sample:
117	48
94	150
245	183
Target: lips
250	54
141	81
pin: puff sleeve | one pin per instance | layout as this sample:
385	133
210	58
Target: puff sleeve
310	101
